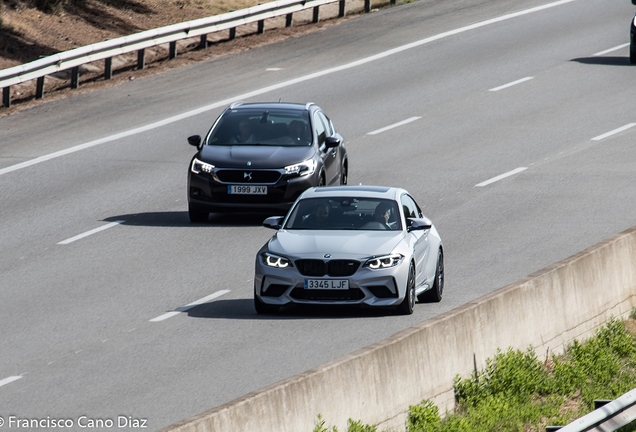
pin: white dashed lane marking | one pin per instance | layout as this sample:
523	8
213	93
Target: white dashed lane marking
511	84
502	176
403	122
9	380
87	233
189	306
614	132
616	48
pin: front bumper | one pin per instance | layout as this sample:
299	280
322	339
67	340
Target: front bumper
376	288
207	194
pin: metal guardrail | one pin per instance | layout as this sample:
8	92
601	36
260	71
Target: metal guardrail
106	50
608	416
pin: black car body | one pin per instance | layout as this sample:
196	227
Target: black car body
632	39
261	157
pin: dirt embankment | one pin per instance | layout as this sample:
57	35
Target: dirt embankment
30	29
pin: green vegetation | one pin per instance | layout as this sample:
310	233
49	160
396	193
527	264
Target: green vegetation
352	426
519	392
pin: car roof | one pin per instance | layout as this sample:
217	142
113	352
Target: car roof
361	191
271	105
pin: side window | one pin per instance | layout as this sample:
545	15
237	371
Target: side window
418	209
327	123
319	127
409	207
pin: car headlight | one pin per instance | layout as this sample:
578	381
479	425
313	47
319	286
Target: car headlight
383	262
304	168
276	261
198	166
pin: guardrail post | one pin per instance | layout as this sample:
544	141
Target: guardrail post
107	51
141	58
39	88
108	68
203	43
173	50
6	97
75	77
601	402
367	6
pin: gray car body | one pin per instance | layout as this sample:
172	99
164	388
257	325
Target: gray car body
419	247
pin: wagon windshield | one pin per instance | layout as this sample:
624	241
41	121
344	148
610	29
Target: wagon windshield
279	127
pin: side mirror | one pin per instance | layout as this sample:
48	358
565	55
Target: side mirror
274	222
195	140
333	142
414	224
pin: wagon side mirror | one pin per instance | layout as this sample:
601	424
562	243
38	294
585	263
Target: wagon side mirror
333	142
195	140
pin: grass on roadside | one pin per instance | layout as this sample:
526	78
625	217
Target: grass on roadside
517	391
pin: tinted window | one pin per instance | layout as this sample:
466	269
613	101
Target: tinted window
261	127
319	127
410	208
327	123
343	214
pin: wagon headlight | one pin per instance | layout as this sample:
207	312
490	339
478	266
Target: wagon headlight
384	261
198	166
275	261
304	168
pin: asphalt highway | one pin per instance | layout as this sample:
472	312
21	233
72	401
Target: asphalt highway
511	123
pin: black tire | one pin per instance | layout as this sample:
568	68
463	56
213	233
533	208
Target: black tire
263	308
344	177
632	53
434	295
408	304
197	216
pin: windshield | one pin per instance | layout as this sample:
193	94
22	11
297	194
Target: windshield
344	213
279	127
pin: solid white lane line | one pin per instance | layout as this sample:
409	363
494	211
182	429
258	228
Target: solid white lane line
403	122
189	306
502	176
615	131
616	48
9	380
510	84
279	86
87	233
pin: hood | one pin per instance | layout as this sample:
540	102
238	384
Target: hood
260	156
340	244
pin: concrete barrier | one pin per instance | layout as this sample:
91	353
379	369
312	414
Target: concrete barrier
546	310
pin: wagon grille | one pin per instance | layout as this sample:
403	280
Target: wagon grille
248	176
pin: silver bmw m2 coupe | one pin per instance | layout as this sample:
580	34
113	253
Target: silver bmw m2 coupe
350	245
